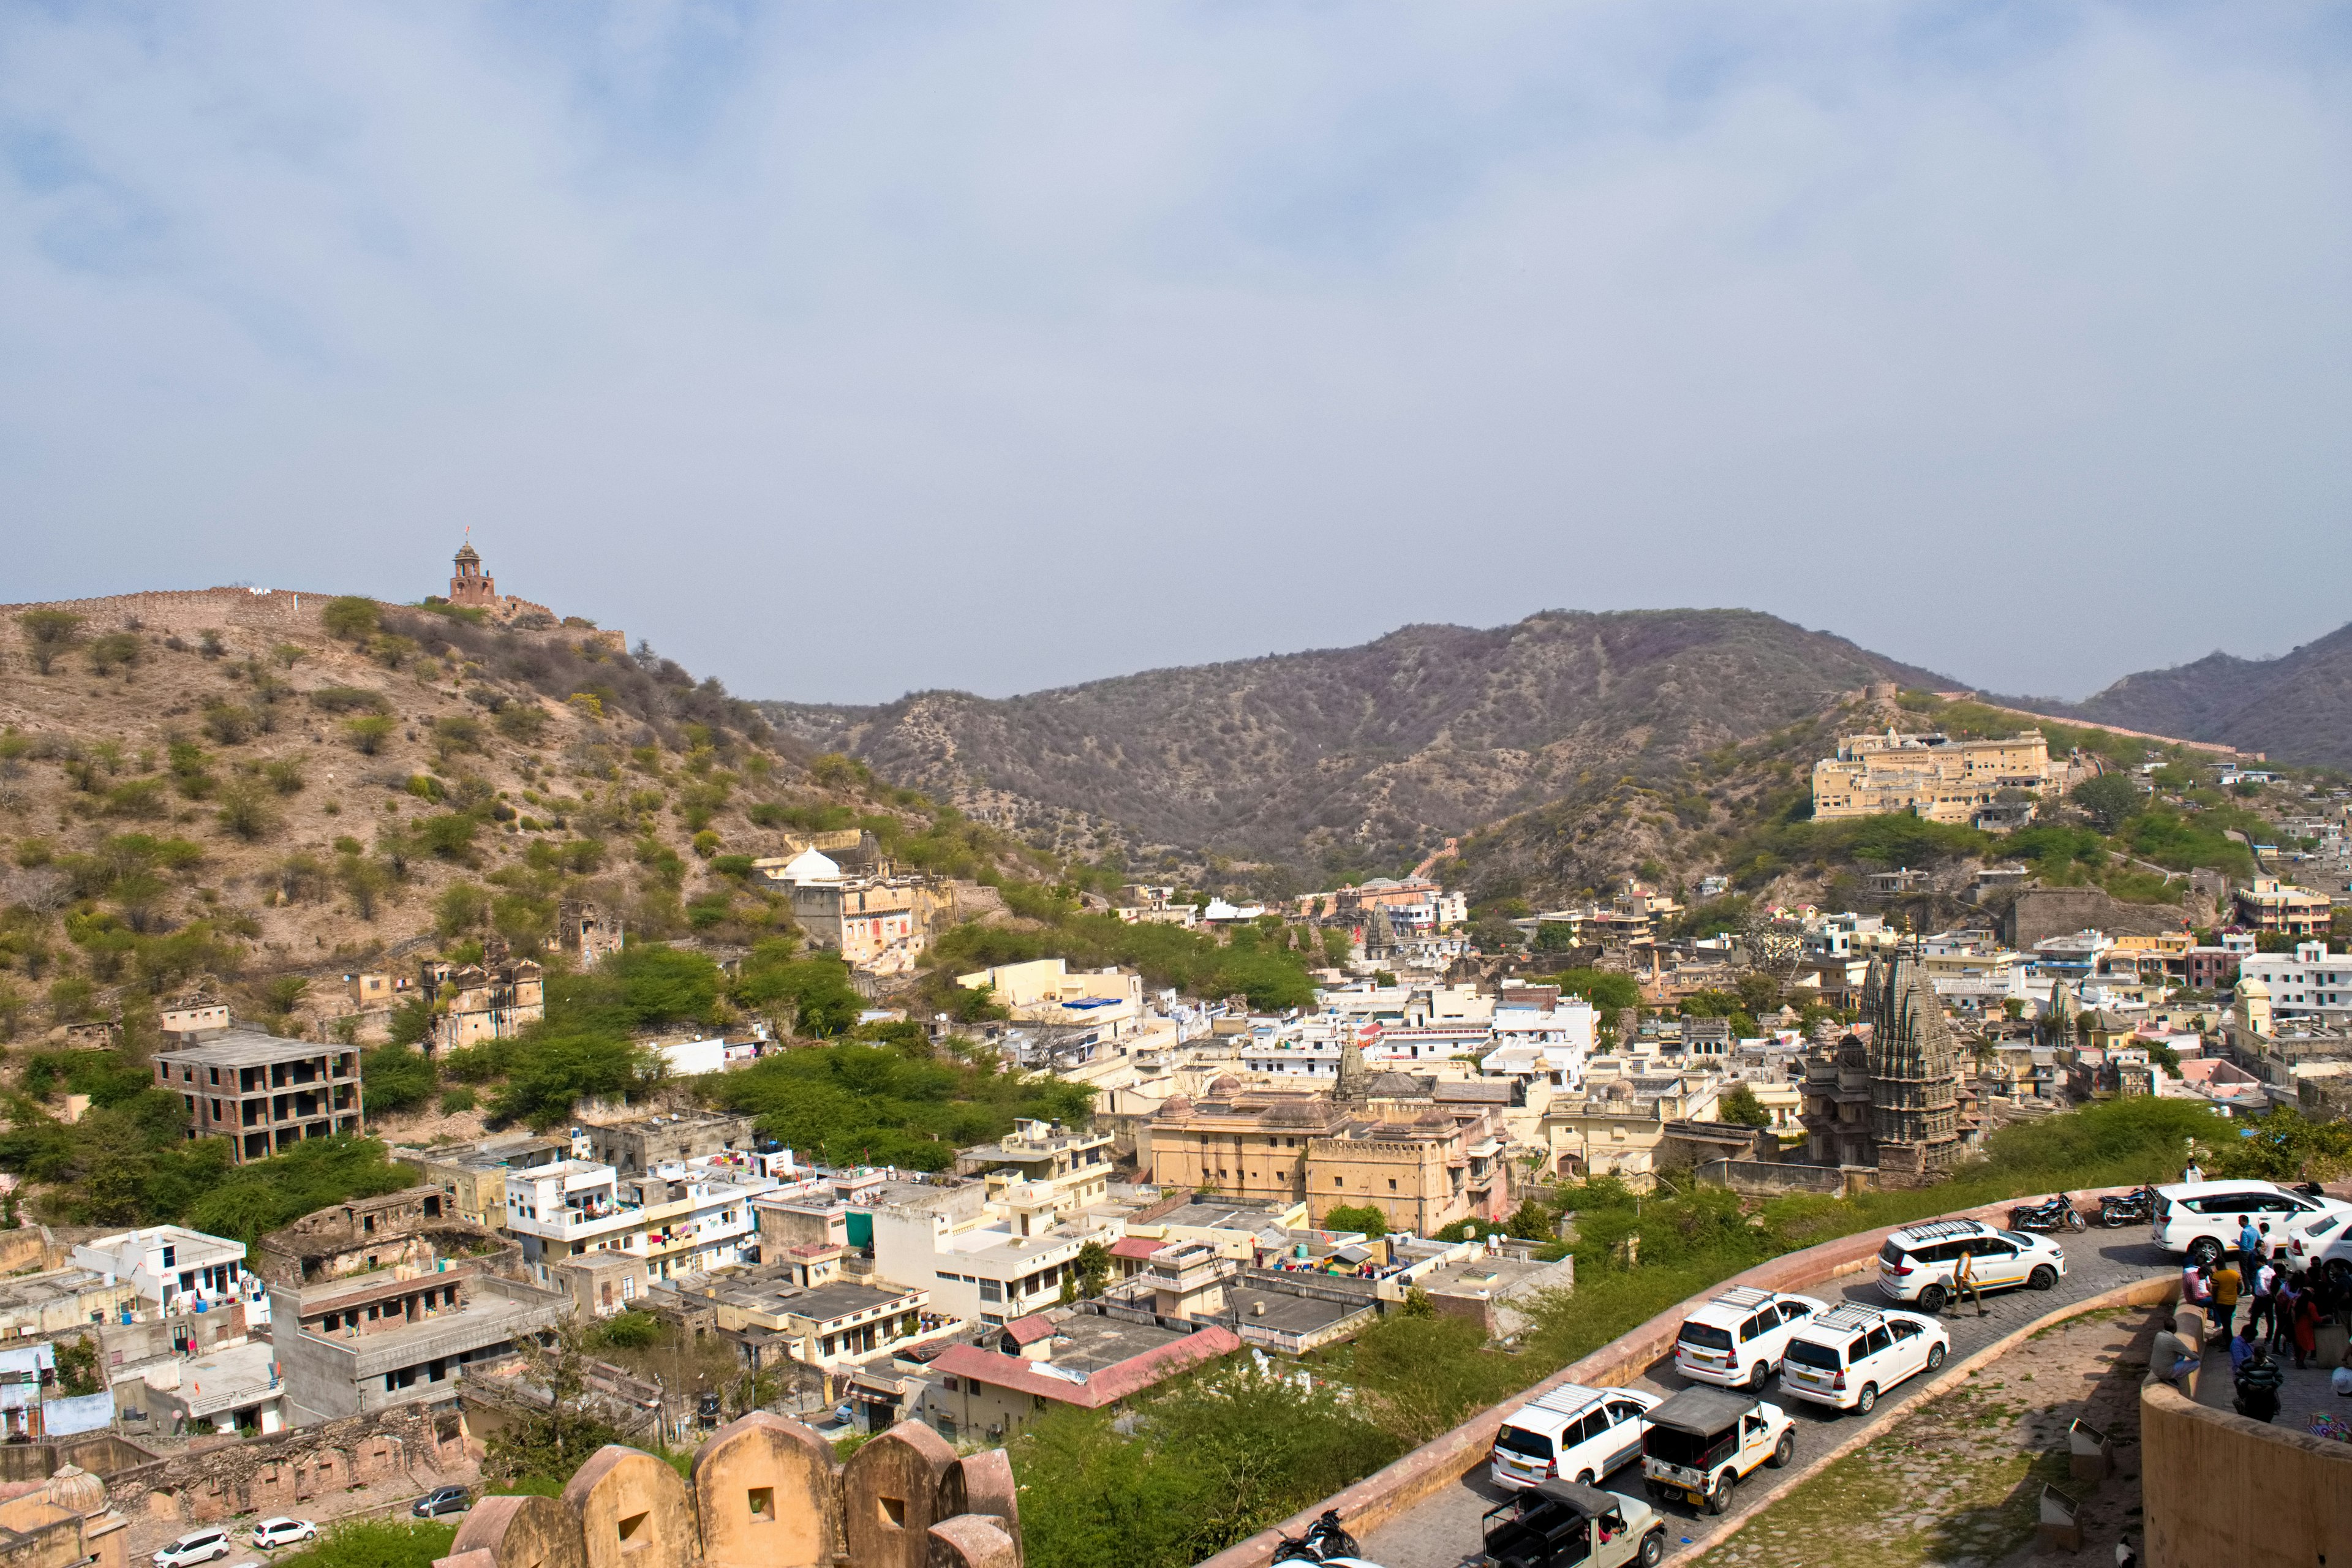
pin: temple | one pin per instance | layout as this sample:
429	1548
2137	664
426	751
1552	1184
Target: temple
472	588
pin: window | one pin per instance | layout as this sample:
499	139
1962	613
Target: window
1856	1351
763	1503
1792	1311
169	1254
1337	1182
1879	1341
1904	1330
991	1290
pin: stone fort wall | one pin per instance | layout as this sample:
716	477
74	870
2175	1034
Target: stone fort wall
765	1493
189	611
278	1473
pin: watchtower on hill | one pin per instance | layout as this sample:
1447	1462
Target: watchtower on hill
471	586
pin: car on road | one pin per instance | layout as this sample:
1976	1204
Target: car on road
1918	1263
197	1546
441	1500
1851	1355
1702	1442
1560	1524
1738	1338
2200	1220
283	1532
1573	1434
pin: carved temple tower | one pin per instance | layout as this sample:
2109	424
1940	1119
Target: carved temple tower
1915	1073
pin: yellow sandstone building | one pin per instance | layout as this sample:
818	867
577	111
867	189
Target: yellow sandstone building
1929	775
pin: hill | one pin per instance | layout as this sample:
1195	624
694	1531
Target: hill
2296	708
1343	759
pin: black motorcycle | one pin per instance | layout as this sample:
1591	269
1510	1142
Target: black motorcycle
2058	1213
1326	1539
2131	1208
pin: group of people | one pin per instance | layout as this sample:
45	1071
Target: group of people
2284	1309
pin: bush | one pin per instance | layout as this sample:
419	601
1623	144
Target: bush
369	733
454	1100
349	700
396	1078
523	722
351	617
47	634
246	811
1365	1218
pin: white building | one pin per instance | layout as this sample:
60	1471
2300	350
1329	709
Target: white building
2310	983
171	1265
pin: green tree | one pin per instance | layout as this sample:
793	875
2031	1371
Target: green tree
1094	1269
2110	799
47	634
1742	1109
398	1078
1365	1218
376	1544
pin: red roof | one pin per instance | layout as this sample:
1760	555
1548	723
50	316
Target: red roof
1108	1386
1028	1330
1141	1247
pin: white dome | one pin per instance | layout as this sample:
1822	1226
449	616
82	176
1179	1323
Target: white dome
2251	985
809	865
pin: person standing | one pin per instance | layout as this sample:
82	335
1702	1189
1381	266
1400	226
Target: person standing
1964	1282
2302	1332
2192	1175
2250	1249
2285	1301
2264	1298
2226	1287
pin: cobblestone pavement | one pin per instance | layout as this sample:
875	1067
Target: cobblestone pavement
1443	1531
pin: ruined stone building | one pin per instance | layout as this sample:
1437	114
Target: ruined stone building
492	1000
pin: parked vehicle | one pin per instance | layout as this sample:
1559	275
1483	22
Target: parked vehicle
1573	1433
197	1546
2200	1220
1738	1338
1851	1355
441	1500
1560	1524
1918	1263
1326	1541
2058	1213
283	1532
2134	1208
1702	1441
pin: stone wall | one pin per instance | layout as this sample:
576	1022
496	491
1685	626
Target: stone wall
278	1473
2218	1488
189	611
765	1493
1760	1178
2042	913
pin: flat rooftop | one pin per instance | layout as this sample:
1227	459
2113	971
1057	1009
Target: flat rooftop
769	1289
1251	1217
241	1047
1286	1313
35	1290
1089	1343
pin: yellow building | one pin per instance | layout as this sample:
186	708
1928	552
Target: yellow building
1929	775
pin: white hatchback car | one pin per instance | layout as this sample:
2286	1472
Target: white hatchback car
197	1546
1851	1355
2200	1220
1737	1339
283	1532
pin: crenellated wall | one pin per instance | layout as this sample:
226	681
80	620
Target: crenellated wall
765	1493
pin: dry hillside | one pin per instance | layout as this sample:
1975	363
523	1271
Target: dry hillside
246	791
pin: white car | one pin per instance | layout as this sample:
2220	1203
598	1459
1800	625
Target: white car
283	1532
197	1546
1572	1434
1737	1339
1918	1264
1851	1355
2200	1220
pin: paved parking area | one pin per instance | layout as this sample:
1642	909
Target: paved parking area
1443	1532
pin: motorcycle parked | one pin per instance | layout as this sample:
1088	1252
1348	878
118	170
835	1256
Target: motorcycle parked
2058	1213
1326	1540
2131	1208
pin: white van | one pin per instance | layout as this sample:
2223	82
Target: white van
1851	1355
1572	1434
2200	1220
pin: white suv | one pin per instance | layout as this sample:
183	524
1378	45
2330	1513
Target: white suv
1738	1338
2202	1219
1851	1355
1917	1262
1572	1434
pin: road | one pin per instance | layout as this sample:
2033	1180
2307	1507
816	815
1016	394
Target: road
1443	1532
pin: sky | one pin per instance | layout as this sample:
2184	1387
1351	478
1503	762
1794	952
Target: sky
845	350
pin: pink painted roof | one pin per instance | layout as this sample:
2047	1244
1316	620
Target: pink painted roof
1135	1247
1028	1330
1108	1386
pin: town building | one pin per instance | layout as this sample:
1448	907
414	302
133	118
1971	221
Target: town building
602	1284
2309	983
2276	908
877	920
171	1267
384	1301
493	999
1071	1170
236	1389
633	1146
982	1262
263	1094
1044	991
1088	1361
473	1176
769	1316
65	1302
1930	776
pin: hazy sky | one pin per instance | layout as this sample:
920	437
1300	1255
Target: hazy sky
845	349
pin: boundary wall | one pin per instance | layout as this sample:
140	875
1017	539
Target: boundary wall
1445	1459
2218	1488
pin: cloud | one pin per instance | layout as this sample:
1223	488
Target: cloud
842	350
